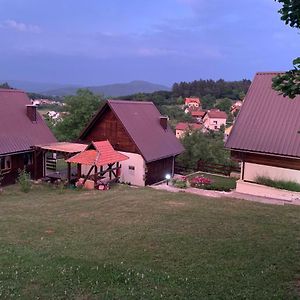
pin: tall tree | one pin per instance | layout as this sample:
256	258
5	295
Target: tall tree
80	109
289	83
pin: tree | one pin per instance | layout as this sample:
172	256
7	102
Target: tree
208	147
5	85
79	110
289	83
224	105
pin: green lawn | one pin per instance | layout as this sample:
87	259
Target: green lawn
130	243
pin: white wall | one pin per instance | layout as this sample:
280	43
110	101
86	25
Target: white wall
253	170
136	176
211	123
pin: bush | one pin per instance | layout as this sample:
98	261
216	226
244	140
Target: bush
279	184
180	182
24	181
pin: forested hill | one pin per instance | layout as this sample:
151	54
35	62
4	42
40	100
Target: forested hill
218	89
209	91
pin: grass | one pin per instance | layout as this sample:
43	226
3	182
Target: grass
130	243
279	184
219	183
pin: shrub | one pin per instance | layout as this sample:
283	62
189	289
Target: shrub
279	184
180	182
24	181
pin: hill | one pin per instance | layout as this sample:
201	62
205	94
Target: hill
113	90
36	87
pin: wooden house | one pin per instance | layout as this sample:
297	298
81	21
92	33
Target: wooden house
21	127
137	130
266	134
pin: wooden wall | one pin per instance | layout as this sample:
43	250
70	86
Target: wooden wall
268	160
17	162
108	127
156	171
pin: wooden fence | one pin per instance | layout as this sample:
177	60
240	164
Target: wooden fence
208	167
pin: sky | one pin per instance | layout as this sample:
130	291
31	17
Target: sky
94	42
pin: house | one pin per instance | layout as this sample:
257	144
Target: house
192	102
266	134
21	127
197	115
214	119
137	130
236	106
182	128
227	132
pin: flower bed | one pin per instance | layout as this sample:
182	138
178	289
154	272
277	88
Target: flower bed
205	181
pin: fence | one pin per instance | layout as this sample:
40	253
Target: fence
208	167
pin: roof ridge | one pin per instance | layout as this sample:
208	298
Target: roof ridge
129	101
270	73
11	90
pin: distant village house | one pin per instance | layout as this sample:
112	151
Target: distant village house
184	128
214	119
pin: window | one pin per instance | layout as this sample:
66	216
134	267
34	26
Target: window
215	122
5	163
132	168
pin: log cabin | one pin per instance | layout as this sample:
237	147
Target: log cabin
266	135
21	127
137	130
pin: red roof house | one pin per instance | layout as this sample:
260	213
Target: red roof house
137	130
182	128
193	102
214	119
265	136
21	127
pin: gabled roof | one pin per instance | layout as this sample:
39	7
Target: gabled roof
197	113
216	114
186	126
17	132
141	120
192	100
98	154
267	122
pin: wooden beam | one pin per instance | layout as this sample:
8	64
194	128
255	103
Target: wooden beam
78	171
88	174
69	172
95	175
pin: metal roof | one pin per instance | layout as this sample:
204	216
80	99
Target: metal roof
141	120
268	122
98	154
17	132
64	147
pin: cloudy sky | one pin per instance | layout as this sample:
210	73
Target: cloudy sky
163	41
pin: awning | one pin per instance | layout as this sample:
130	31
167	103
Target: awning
63	147
98	154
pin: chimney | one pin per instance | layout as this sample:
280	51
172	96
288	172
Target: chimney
31	112
163	122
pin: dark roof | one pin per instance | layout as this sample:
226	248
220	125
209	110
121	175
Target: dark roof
267	122
141	120
17	131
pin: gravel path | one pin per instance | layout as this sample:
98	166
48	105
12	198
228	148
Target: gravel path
218	194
